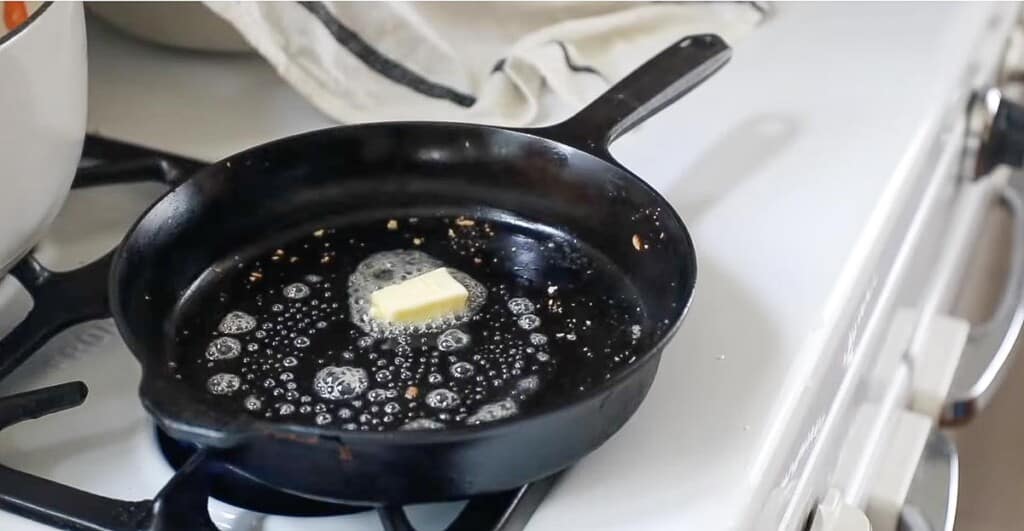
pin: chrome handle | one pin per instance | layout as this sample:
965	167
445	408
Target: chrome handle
931	500
989	346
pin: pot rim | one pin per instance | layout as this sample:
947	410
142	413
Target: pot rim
10	36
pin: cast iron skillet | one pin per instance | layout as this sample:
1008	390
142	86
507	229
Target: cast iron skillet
561	176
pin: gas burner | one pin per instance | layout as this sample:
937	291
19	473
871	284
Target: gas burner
234	487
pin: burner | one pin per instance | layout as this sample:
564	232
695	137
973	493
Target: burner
234	487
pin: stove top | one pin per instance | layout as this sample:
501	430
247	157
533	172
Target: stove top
794	199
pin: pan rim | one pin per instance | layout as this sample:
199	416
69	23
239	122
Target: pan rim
243	426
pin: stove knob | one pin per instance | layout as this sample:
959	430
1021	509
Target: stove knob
1002	137
834	514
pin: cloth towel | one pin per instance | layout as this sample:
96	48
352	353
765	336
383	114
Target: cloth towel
495	63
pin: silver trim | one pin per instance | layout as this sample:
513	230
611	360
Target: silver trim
989	348
931	500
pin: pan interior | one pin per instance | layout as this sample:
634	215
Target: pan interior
178	259
278	330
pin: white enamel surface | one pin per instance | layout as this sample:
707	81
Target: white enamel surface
795	167
42	119
791	200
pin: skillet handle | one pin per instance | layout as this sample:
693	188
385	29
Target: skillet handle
657	83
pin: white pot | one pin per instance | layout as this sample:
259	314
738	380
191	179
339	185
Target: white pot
43	99
193	26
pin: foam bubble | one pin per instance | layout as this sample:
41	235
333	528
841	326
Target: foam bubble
492	412
528	385
252	403
462	369
296	290
322	418
421	424
635	331
236	323
453	339
528	321
337	383
538	339
520	306
223	383
442	399
223	348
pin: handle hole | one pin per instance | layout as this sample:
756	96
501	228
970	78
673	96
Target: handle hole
988	268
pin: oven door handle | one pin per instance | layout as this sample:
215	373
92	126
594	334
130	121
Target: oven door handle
989	348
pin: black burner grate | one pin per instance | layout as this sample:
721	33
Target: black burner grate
182	504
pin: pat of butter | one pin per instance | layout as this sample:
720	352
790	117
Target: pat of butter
422	298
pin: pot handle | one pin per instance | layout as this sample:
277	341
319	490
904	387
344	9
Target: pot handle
643	93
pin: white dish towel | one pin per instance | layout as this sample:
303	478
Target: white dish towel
497	63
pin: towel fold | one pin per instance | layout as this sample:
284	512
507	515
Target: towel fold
507	63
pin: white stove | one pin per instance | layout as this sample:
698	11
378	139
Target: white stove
820	173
